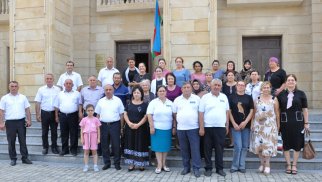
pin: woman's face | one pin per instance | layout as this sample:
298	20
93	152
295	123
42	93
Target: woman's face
208	77
162	64
145	86
197	67
215	66
136	94
254	76
196	85
170	80
162	93
230	66
247	65
241	87
179	63
131	63
158	72
266	89
142	68
272	65
291	82
230	77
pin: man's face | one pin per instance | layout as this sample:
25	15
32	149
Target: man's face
109	63
49	79
215	87
13	87
69	67
92	82
68	85
186	90
117	79
109	91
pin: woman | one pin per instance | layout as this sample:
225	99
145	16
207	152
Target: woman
247	69
182	75
209	77
148	96
241	113
276	76
254	87
163	65
136	147
265	128
229	87
197	88
129	73
231	68
161	121
158	81
294	119
173	90
142	75
197	66
216	71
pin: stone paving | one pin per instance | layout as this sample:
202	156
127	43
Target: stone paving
44	171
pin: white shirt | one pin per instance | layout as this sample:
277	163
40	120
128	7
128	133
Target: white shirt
254	90
161	113
105	76
68	102
14	106
77	80
46	97
214	109
109	109
153	88
187	112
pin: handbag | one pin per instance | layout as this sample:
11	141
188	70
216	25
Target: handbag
308	150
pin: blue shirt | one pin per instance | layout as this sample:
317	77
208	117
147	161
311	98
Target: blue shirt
91	96
181	76
122	92
218	74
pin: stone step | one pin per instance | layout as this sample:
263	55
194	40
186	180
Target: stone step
38	130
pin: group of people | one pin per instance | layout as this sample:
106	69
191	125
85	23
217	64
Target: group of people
134	112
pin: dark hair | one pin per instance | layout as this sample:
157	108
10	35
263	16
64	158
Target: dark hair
162	59
117	73
253	72
170	74
215	61
233	72
157	68
130	58
197	62
89	106
161	86
140	90
70	62
178	58
142	63
15	82
233	65
291	75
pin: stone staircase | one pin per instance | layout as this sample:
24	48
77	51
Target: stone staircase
34	144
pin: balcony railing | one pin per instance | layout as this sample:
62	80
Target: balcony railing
4	11
116	6
263	3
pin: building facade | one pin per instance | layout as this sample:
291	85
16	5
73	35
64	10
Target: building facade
39	36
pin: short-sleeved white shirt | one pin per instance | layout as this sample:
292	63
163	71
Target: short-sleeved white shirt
77	80
14	106
162	113
214	109
46	97
105	76
253	90
109	109
187	112
68	102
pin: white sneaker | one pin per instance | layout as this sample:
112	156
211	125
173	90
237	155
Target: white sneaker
85	169
96	168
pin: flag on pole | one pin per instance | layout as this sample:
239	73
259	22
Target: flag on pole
156	49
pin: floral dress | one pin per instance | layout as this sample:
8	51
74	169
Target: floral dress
265	133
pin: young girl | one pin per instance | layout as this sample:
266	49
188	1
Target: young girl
90	136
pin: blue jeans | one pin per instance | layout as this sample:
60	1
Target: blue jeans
241	143
189	141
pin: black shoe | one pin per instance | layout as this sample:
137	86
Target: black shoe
62	153
26	161
221	173
74	154
106	166
55	150
208	173
141	168
118	167
13	162
242	170
185	171
45	151
131	168
99	153
233	170
196	173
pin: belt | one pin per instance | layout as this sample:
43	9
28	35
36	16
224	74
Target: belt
47	111
110	123
68	114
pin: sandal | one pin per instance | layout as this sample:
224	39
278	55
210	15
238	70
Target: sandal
166	169
288	169
294	171
261	169
267	170
157	171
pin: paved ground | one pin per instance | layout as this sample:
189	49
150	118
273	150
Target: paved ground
42	171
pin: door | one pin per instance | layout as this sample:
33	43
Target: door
140	50
260	49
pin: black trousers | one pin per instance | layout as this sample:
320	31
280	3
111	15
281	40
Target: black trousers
69	129
214	138
12	128
111	132
48	121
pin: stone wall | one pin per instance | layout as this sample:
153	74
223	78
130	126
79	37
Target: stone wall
4	44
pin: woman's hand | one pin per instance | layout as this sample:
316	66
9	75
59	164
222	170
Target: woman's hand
152	130
236	127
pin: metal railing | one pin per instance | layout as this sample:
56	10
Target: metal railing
4	7
114	2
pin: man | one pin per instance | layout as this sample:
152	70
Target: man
68	111
45	113
213	116
92	93
185	109
110	112
120	90
105	76
15	117
70	74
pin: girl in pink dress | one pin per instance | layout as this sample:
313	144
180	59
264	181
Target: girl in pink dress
90	136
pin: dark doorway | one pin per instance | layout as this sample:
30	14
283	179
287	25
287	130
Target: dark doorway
140	50
260	49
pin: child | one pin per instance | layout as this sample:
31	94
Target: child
90	136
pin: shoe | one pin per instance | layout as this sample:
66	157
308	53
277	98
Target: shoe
62	153
166	169
131	168
208	173
99	153
242	170
267	170
261	169
118	167
85	169
106	166
141	168
96	168
294	171
74	154
26	161
45	151
221	173
233	170
185	171
157	170
288	169
13	162
55	150
196	173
